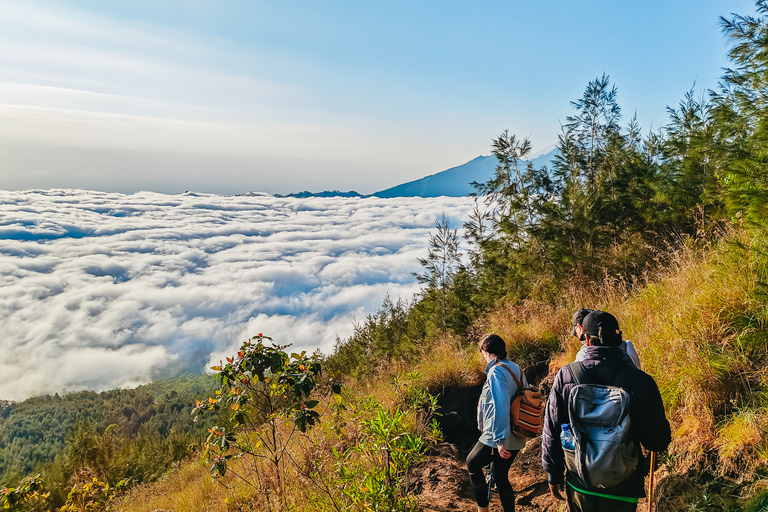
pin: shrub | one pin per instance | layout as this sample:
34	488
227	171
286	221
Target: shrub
259	387
28	495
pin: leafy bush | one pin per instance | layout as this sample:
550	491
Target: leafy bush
374	472
28	495
258	387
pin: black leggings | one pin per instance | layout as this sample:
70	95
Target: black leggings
482	455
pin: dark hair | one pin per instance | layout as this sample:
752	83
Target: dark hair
610	340
602	329
493	344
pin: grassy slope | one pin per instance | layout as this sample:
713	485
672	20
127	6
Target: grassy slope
700	327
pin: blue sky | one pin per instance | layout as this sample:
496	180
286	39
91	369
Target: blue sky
232	96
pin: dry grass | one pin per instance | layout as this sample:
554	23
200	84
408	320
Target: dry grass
308	467
700	327
447	363
683	327
692	324
532	331
189	488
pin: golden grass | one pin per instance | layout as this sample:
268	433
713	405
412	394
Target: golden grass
308	466
700	327
681	320
532	330
448	363
189	488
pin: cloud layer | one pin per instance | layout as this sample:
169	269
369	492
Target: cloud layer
99	290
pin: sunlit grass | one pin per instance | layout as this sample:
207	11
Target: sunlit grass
448	363
309	467
700	326
532	331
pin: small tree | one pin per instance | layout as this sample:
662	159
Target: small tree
259	387
441	262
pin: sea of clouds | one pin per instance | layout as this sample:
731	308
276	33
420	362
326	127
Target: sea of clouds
103	290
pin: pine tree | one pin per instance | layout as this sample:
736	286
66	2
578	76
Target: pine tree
597	117
741	113
690	155
441	263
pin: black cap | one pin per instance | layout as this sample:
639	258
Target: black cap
578	318
604	326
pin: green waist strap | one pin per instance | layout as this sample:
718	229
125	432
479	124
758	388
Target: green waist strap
608	496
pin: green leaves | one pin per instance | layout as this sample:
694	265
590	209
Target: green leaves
257	387
30	489
374	474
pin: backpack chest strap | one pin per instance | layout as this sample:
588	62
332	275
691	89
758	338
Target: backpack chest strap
578	372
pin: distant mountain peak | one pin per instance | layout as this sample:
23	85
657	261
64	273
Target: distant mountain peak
456	181
453	182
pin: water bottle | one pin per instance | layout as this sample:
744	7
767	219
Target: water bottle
566	437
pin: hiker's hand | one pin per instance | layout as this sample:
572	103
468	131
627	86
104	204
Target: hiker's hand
505	454
554	490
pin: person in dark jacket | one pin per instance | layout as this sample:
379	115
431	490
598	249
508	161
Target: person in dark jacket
578	331
605	363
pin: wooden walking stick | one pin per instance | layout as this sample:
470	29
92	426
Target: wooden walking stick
650	482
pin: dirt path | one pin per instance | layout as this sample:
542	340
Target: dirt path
442	482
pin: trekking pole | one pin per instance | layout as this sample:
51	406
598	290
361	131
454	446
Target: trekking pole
650	481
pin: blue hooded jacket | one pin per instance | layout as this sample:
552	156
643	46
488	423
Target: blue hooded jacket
493	407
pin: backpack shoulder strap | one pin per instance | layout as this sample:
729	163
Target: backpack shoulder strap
578	372
517	381
581	375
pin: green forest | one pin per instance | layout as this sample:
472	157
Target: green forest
133	434
667	230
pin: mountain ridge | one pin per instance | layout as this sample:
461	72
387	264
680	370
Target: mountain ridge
452	182
456	181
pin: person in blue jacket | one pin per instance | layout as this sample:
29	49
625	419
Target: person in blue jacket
497	443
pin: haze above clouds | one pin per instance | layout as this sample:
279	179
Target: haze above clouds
286	96
99	290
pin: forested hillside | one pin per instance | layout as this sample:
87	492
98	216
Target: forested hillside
120	434
667	230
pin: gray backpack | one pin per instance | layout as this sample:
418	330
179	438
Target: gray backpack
605	453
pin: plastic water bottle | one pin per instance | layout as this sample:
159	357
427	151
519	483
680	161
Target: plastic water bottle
566	437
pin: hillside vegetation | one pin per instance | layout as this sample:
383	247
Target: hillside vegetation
667	231
131	434
697	323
